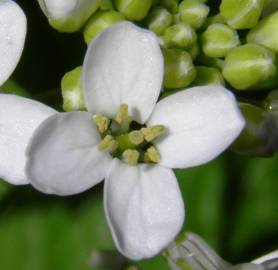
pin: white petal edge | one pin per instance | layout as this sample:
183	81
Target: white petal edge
12	37
144	208
123	65
63	158
201	123
19	117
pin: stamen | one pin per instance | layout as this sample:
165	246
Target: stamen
150	133
122	117
151	155
136	137
102	122
131	156
108	144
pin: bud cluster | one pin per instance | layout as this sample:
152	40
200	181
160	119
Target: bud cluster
233	43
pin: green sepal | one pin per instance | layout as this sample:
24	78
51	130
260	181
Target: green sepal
72	92
100	21
179	70
133	10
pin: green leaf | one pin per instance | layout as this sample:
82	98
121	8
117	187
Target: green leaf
256	219
46	232
202	188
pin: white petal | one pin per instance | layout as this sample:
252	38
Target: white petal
68	15
12	37
143	207
201	122
19	117
63	158
123	65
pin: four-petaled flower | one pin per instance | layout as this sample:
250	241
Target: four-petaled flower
143	204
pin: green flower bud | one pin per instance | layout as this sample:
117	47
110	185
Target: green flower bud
178	69
171	5
241	14
259	137
247	65
193	12
133	10
208	75
180	35
106	5
218	40
100	21
159	19
266	32
72	92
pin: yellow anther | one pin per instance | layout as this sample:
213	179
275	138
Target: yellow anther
108	144
150	133
102	122
131	156
122	116
136	137
152	155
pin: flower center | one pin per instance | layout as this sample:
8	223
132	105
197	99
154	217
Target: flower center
126	139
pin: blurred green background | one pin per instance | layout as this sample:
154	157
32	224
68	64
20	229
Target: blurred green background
231	202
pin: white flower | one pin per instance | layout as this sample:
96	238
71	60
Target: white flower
68	15
143	204
12	37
